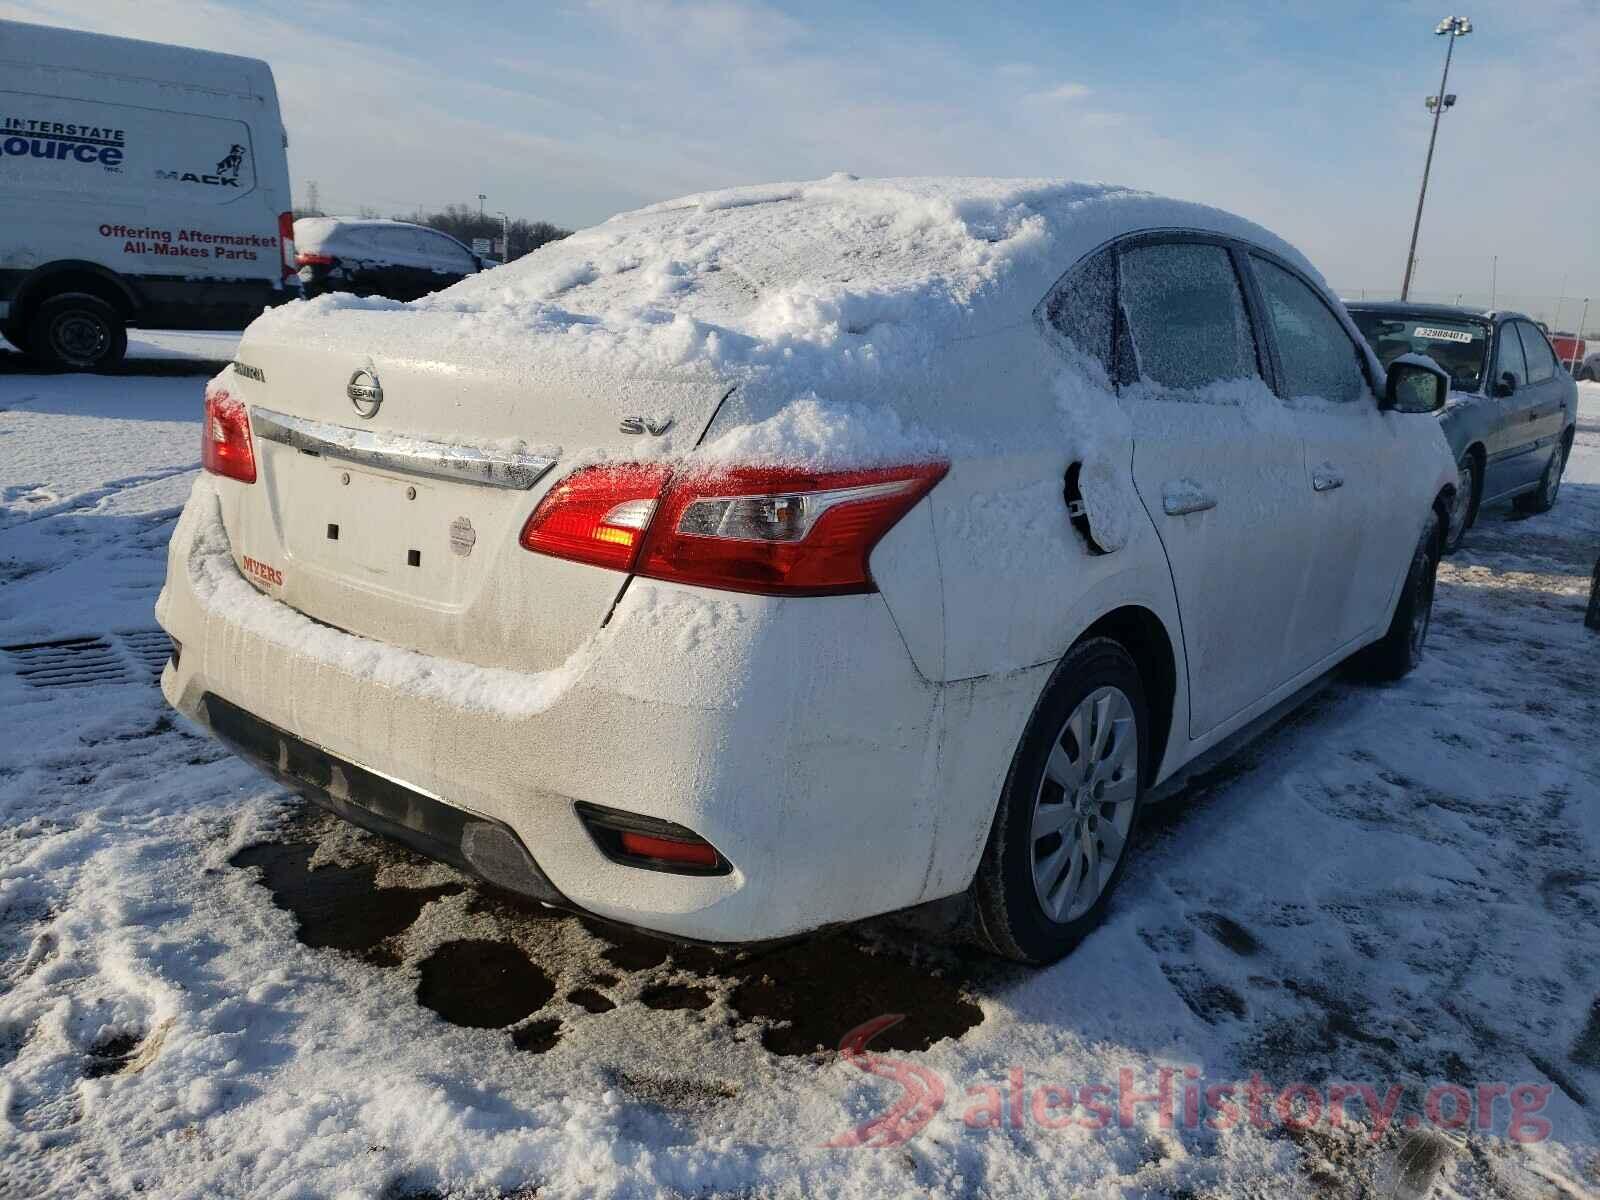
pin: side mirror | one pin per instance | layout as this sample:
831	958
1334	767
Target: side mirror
1506	385
1416	384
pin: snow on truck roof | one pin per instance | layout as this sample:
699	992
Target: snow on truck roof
748	278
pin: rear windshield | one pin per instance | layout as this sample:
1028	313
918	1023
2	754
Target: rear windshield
1457	345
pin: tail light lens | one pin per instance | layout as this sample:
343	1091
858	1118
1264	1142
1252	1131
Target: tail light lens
225	447
597	515
308	259
286	242
772	531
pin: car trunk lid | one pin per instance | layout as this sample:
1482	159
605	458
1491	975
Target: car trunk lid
390	493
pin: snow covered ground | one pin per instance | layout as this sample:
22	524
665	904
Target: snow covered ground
1397	890
168	345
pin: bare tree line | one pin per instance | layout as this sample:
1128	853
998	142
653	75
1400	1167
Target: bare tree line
464	223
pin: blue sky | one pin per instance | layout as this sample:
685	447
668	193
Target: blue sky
1307	118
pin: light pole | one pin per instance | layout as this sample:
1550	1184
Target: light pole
1452	28
482	198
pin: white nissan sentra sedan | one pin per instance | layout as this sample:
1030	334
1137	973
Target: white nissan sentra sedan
788	555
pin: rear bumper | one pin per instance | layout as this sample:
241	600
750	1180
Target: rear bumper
488	849
794	735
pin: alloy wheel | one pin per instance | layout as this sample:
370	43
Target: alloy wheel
1462	504
1422	609
1552	481
1085	804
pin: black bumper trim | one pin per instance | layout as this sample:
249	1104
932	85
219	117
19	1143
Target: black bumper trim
477	845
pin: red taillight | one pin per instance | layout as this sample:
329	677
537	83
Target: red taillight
225	440
773	531
597	515
307	259
286	242
669	850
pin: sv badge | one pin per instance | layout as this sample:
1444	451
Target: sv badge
654	426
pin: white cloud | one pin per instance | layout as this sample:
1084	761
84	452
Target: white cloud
1063	93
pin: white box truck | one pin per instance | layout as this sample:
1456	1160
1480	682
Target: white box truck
140	184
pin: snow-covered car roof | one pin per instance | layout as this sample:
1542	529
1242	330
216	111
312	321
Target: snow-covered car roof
317	231
739	279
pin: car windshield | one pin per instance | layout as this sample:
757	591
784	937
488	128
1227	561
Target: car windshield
1456	344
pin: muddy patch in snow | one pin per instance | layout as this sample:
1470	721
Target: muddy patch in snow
487	960
337	907
812	992
482	984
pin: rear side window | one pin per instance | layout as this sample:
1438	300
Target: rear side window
447	251
406	243
1081	307
1508	358
1185	315
1541	359
1319	359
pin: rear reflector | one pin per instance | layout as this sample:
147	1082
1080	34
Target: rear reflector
225	447
772	531
307	259
286	242
669	850
650	843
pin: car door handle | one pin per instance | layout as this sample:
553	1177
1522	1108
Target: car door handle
1325	480
1183	497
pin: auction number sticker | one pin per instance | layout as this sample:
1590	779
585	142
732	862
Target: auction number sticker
1442	335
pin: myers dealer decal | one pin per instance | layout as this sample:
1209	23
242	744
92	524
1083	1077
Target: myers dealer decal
189	243
260	570
62	141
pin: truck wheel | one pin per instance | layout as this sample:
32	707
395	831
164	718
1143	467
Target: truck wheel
77	332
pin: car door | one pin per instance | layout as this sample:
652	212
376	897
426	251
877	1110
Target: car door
1359	468
416	278
1546	393
1509	451
451	262
381	263
1216	466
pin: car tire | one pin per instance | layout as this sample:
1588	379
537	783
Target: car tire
16	333
1465	509
1071	801
1543	498
77	332
1398	652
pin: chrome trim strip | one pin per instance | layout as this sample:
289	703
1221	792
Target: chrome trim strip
397	452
